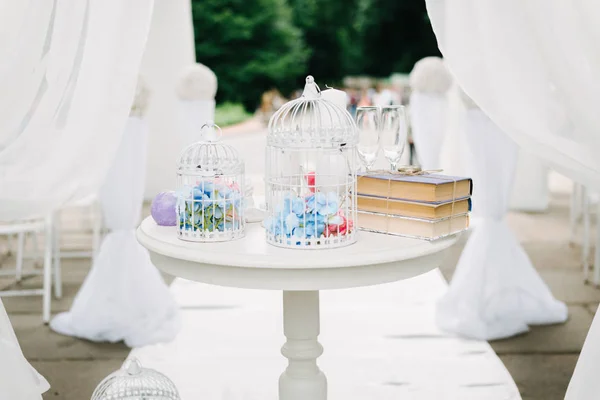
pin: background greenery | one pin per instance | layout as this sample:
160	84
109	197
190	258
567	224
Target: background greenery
257	45
230	114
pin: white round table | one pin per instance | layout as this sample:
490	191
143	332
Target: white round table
251	263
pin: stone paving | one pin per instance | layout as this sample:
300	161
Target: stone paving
541	361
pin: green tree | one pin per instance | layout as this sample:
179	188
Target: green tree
394	35
251	45
330	34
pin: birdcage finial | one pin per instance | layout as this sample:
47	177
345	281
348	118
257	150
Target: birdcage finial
311	89
132	366
210	132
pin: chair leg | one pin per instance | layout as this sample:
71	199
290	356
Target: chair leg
585	250
47	289
575	210
56	254
36	247
9	244
96	229
596	278
20	255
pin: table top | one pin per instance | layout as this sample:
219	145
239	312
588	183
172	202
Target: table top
252	263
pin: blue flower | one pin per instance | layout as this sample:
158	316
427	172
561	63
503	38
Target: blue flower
293	204
208	188
291	222
213	212
314	229
272	225
324	204
223	190
301	233
311	201
328	204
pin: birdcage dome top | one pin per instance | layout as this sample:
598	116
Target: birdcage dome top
311	122
133	382
209	157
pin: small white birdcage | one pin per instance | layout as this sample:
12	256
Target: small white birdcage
311	174
210	190
133	382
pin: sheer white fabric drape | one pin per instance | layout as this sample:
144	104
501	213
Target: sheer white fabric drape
495	291
532	66
428	116
18	380
531	192
67	78
170	48
123	297
537	80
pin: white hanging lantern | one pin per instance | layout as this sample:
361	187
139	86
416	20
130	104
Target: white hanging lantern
210	190
311	174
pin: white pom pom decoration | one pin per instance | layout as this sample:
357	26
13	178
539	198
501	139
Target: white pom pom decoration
141	99
197	82
430	75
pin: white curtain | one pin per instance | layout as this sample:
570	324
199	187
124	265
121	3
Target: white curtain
532	66
427	118
17	379
124	296
67	80
495	291
170	48
453	153
531	191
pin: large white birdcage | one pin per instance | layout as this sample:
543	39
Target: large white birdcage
310	173
210	190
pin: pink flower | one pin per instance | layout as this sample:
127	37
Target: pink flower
311	180
338	225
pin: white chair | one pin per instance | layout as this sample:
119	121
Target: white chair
95	217
582	201
21	229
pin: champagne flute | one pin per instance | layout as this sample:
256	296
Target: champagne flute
368	123
394	131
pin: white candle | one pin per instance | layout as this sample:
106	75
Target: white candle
337	97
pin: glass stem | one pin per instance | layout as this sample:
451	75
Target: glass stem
394	166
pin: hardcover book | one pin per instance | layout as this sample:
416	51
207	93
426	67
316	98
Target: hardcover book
424	188
412	227
426	210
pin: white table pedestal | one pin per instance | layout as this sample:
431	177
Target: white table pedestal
302	379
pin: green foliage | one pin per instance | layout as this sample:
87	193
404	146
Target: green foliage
256	45
330	34
395	34
230	114
251	45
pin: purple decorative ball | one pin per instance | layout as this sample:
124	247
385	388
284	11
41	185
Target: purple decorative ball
163	209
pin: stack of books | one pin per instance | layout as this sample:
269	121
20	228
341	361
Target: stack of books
426	206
